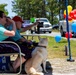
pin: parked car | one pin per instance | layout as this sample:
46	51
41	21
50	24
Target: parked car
55	26
26	23
63	27
44	26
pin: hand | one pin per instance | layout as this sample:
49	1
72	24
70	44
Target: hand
37	22
10	20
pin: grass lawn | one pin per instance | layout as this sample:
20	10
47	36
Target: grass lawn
57	50
55	30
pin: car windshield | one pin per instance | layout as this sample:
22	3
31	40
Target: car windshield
43	20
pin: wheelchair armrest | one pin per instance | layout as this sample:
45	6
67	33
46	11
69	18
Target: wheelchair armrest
8	53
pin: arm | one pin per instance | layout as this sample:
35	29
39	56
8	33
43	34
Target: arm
12	32
29	27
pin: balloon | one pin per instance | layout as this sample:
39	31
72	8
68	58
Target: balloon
57	38
68	35
32	20
64	16
65	12
74	11
71	14
69	7
71	21
69	18
74	27
74	17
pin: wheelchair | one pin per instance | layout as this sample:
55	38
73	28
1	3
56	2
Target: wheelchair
6	59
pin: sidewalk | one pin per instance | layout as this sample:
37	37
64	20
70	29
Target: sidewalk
60	66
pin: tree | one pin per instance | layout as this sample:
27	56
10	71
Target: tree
29	8
61	9
35	8
41	8
62	6
52	8
2	7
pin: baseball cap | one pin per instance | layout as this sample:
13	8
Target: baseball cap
17	18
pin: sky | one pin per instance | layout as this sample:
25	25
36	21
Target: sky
8	7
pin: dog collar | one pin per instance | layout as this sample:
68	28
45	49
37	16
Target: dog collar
41	46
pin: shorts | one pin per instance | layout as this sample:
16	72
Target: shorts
12	48
26	51
8	48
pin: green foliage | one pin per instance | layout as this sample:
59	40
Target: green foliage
2	7
34	8
41	8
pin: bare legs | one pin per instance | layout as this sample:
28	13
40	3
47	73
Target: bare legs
16	63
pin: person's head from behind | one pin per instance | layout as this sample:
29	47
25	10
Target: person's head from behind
2	18
18	20
7	21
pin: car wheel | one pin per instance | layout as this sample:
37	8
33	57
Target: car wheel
31	31
49	31
62	32
44	32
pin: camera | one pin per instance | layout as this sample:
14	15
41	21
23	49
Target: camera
40	24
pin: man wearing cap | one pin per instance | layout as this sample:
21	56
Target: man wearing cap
18	20
20	40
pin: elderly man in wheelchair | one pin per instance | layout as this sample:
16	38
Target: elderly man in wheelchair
6	48
8	32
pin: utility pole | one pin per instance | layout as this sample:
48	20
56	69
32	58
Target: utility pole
70	56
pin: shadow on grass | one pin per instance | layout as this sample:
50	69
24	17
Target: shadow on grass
63	41
55	46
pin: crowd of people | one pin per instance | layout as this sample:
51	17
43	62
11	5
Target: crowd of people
10	31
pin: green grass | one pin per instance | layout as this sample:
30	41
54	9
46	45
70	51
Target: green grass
55	30
57	50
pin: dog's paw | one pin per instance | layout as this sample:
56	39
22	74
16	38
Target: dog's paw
38	73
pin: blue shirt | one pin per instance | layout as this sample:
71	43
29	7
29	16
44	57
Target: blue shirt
2	30
17	34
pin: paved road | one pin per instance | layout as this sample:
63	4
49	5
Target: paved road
53	34
42	34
